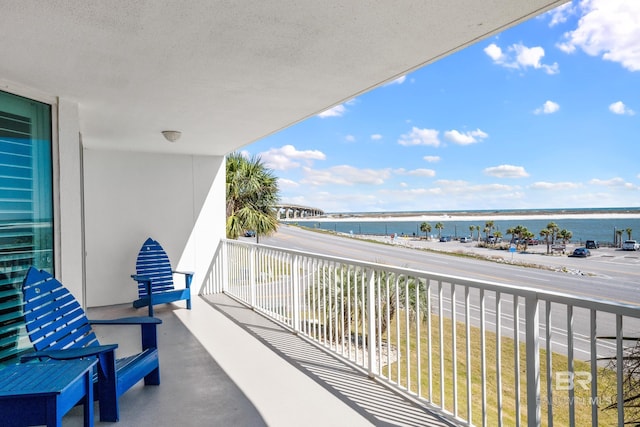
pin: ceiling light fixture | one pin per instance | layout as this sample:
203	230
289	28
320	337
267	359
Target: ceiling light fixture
171	135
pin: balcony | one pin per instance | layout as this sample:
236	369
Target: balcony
223	364
281	337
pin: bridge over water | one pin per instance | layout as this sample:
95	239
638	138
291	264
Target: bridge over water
297	211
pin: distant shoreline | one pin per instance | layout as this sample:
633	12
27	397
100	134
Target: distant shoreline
470	216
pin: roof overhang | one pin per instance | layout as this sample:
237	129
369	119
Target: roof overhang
227	73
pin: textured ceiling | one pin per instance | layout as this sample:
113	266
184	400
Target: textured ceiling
227	73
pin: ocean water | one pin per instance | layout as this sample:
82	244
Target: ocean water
601	229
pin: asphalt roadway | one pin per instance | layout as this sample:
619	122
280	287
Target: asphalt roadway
607	275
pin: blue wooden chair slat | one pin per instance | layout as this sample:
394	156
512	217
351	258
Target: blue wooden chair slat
59	321
155	278
48	313
63	334
59	329
45	307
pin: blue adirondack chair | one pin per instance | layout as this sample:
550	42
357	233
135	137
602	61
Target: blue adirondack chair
155	278
59	329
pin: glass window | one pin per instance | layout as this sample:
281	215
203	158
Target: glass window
26	206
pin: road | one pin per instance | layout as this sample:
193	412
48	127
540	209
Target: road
608	274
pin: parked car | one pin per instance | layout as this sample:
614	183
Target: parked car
445	238
630	245
592	244
465	239
580	253
249	233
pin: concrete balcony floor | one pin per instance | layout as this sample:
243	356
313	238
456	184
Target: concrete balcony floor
223	364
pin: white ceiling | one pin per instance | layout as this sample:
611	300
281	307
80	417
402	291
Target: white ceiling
227	73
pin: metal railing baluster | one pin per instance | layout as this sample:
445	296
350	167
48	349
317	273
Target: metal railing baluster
350	307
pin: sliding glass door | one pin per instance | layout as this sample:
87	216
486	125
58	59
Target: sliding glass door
26	206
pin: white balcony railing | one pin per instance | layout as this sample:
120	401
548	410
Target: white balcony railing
482	352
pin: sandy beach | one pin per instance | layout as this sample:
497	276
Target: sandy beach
391	217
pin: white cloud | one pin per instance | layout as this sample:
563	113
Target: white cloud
528	56
466	195
422	172
419	136
555	186
519	56
431	159
495	52
506	171
613	183
288	157
454	187
560	14
397	81
337	111
620	108
376	137
548	107
609	29
465	138
286	184
345	175
416	172
350	138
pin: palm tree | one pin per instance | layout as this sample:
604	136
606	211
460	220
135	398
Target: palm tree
518	231
425	227
619	238
340	298
439	227
553	229
565	235
545	234
628	231
478	231
488	228
526	236
252	193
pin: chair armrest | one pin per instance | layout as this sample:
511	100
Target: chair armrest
140	278
148	328
186	273
188	276
127	321
71	353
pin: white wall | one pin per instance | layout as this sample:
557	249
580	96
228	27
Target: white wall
178	200
69	224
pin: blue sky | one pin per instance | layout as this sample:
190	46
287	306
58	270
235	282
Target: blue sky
543	115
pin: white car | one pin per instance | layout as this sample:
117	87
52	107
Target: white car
630	245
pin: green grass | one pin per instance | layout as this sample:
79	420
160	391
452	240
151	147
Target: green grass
560	407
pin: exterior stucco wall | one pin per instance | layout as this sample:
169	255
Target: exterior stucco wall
176	199
69	205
